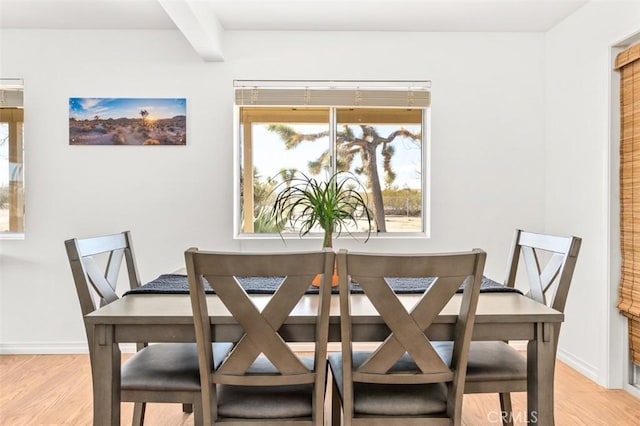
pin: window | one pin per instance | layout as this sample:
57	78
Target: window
375	130
11	158
628	64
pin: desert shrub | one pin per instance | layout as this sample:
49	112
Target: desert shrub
265	222
4	196
402	202
118	139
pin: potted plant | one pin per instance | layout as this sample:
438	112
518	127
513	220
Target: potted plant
333	205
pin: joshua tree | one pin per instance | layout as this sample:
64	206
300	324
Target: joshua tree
287	174
349	145
96	117
144	113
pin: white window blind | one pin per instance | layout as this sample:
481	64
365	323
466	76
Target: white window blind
333	94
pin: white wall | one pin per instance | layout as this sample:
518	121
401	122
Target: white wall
578	146
487	169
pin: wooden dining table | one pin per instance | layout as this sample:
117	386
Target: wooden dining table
168	318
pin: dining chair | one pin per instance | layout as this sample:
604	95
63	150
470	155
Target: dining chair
166	372
262	380
497	367
404	381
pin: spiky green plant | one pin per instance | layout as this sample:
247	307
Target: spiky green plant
305	202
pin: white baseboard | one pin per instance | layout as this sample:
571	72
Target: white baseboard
53	348
580	366
633	390
568	358
48	348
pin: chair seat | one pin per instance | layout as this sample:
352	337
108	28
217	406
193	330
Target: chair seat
167	366
391	399
266	402
489	361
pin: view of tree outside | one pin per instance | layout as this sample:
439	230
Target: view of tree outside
386	157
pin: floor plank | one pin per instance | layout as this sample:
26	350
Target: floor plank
56	390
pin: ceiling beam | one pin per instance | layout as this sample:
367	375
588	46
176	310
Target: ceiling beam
199	25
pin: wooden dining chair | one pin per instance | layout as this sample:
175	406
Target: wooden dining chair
262	380
404	381
165	372
549	260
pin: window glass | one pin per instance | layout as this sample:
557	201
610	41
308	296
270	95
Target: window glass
383	147
4	177
11	158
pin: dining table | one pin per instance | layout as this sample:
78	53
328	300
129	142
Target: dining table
167	317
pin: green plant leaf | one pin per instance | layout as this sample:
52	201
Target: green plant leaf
333	205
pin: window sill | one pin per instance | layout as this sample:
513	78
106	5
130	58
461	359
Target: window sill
318	236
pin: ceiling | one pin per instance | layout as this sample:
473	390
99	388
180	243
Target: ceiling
203	22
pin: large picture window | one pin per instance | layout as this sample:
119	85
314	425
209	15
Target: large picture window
375	131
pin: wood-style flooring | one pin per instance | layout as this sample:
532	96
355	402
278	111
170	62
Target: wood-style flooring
56	390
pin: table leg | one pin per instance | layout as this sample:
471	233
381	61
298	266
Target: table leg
540	375
106	377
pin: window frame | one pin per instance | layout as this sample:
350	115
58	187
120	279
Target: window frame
239	123
13	116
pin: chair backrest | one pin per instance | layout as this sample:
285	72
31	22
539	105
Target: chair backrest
90	279
260	329
408	330
549	263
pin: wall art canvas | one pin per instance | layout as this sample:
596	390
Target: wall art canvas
127	121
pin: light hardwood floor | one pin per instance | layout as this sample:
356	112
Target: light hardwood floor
56	390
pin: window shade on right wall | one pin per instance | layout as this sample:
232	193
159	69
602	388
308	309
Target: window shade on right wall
628	64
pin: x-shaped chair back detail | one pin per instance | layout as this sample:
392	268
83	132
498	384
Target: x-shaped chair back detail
561	254
549	262
261	329
89	277
408	328
163	372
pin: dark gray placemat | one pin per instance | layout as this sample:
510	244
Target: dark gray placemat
177	284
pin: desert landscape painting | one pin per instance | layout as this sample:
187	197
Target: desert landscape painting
127	121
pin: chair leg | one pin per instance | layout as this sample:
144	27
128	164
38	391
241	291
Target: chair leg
197	412
336	407
187	408
507	411
138	413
